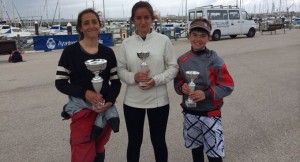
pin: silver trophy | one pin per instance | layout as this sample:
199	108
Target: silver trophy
191	75
96	66
144	66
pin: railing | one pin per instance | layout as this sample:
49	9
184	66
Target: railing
271	27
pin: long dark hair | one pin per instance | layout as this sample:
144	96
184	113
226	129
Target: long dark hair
79	20
142	4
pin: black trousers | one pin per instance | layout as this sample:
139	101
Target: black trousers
198	156
157	119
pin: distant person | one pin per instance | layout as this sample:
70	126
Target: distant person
152	98
15	57
202	126
74	79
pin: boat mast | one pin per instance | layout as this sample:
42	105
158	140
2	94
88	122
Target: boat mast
103	14
1	11
59	12
186	11
55	12
21	20
4	10
46	5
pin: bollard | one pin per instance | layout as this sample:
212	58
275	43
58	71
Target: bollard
175	34
18	42
130	28
69	28
36	28
155	24
123	33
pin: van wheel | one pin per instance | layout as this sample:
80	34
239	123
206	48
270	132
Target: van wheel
216	35
251	33
233	36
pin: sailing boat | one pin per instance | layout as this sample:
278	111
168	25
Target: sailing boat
10	32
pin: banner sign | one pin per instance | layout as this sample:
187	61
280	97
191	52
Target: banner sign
53	42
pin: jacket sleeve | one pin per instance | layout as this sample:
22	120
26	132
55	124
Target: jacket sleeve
62	82
223	84
125	75
178	82
171	67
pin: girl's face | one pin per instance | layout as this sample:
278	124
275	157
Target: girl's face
143	21
90	25
198	40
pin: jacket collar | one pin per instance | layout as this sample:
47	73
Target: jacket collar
149	35
205	50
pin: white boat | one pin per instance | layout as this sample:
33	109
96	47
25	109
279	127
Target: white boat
61	30
4	29
9	31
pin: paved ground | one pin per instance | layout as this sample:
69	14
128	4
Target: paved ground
261	117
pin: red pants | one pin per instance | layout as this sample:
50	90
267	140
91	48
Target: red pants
83	149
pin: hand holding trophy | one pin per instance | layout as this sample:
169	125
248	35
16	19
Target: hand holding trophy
144	66
96	66
191	75
110	115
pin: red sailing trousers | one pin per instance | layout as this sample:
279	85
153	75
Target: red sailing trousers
83	149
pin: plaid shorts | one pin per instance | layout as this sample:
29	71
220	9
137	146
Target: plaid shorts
204	131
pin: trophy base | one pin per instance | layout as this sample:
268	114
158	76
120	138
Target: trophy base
142	84
190	104
99	105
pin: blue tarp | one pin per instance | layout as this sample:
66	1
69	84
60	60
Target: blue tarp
53	42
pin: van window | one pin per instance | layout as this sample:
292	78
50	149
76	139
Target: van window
6	27
245	15
234	14
217	15
191	16
199	14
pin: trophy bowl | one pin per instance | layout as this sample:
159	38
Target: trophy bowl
96	65
192	75
143	55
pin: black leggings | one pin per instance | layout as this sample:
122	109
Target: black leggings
198	156
157	119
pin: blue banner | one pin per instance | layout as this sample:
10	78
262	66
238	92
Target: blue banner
53	42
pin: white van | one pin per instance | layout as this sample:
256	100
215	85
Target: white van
225	20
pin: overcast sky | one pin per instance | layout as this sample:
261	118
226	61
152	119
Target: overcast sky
122	8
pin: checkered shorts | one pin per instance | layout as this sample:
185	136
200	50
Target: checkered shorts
204	131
